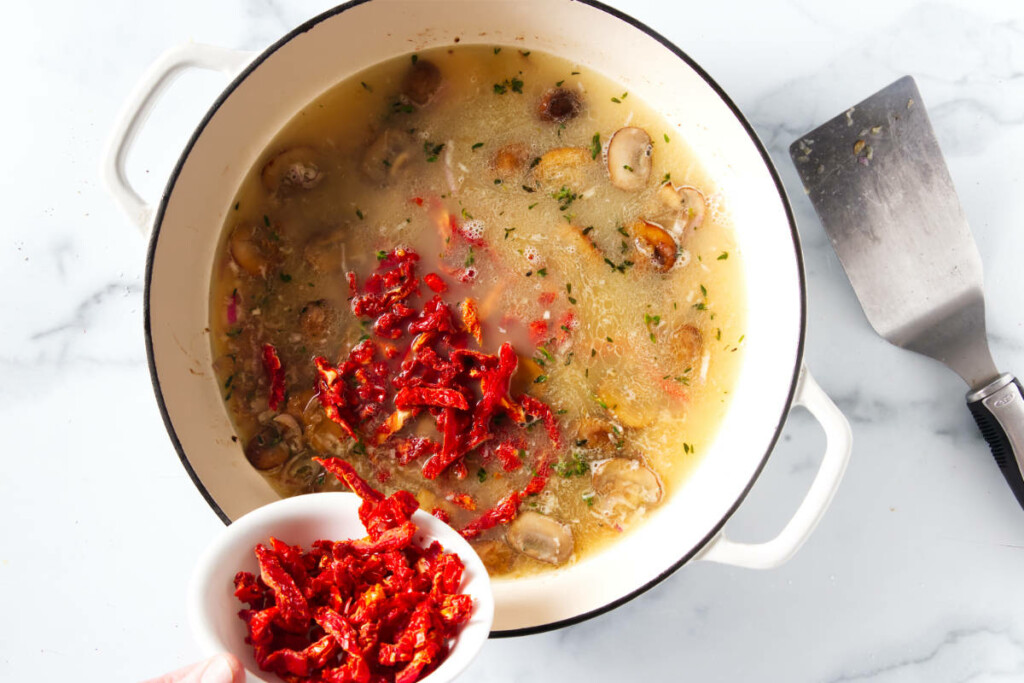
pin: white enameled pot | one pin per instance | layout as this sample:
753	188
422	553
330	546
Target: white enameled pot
266	91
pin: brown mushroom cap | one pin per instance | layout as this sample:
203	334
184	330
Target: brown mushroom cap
290	170
510	160
623	486
562	166
559	105
686	202
655	243
421	82
540	537
629	158
267	449
251	250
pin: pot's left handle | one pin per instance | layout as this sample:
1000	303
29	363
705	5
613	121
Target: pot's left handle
137	109
838	444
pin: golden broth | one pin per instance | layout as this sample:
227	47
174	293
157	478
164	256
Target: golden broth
554	247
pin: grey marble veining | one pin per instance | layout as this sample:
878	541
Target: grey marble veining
913	574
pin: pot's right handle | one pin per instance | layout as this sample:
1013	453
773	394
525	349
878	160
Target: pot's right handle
137	109
838	444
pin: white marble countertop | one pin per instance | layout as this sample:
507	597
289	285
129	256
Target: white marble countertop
914	574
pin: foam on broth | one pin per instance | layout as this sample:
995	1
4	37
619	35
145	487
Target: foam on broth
620	362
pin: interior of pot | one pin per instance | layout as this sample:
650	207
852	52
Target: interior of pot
354	37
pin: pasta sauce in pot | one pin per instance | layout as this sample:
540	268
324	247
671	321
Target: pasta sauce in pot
491	278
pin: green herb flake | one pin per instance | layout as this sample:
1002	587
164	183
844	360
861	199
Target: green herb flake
415	58
285	277
665	178
622	231
509	230
628	167
237	204
574	73
704	291
497	50
381	255
359	448
531	206
481	475
540	379
572	301
609	340
595	145
575	466
477	146
525	53
616	100
718	333
497	181
543	272
666	138
470	258
366	86
587	229
559	84
360	214
266	220
432	151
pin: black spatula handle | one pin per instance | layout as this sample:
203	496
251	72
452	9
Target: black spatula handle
999	411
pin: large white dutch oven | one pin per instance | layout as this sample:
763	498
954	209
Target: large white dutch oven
267	89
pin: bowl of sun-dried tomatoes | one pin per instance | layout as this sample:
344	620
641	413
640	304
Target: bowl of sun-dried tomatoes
340	587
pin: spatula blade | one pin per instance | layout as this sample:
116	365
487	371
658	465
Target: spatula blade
878	181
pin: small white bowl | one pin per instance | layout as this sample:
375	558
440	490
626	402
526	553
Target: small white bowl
213	608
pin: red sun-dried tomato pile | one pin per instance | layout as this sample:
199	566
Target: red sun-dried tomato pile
431	370
377	609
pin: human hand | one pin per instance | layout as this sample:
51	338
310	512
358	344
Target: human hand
222	668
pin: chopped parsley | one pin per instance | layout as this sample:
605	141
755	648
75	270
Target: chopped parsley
285	277
477	146
565	197
509	230
540	379
595	145
359	213
514	84
366	86
481	475
381	255
543	272
621	267
559	83
432	151
576	466
470	258
497	50
266	220
628	167
415	58
666	138
724	255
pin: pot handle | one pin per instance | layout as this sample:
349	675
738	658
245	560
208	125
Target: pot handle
838	444
140	104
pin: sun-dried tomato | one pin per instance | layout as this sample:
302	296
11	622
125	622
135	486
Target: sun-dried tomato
471	319
275	374
465	392
375	609
434	281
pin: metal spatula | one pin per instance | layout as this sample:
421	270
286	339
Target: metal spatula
878	181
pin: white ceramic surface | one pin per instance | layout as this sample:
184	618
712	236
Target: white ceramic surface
213	608
912	575
269	92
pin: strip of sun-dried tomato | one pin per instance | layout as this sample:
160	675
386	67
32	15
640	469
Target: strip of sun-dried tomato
294	611
275	373
471	319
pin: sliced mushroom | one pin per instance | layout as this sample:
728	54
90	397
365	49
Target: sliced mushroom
497	556
508	162
597	433
688	344
388	156
623	486
559	105
291	432
540	537
686	202
421	82
267	449
315	319
299	474
292	169
562	166
325	251
250	250
629	158
629	407
582	245
654	242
